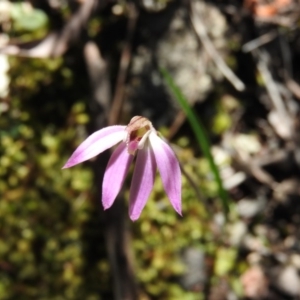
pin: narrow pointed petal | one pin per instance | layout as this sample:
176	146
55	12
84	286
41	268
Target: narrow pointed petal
115	173
169	170
95	144
142	181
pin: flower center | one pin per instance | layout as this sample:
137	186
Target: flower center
138	131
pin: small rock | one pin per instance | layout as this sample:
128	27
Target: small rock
289	281
255	283
237	233
195	274
248	208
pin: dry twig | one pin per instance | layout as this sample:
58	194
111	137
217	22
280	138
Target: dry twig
258	42
210	48
100	83
279	118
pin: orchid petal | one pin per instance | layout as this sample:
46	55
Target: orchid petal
142	181
96	143
169	169
115	173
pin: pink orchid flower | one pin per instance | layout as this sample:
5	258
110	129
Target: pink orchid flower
152	152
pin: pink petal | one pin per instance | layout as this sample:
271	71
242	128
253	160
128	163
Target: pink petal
169	170
115	173
142	181
132	146
96	143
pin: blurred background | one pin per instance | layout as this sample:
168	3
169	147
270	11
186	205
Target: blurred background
69	68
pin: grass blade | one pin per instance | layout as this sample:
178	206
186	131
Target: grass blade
200	135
